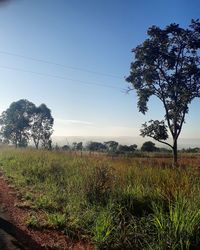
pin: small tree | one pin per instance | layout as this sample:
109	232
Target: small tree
78	146
126	149
66	147
95	146
167	66
111	146
149	146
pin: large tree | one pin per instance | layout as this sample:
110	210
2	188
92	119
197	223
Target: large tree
15	122
23	121
167	65
41	126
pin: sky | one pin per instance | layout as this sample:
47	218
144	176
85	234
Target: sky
74	57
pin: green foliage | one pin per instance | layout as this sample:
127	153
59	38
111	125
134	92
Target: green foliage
157	130
23	121
103	229
15	122
179	227
56	220
32	222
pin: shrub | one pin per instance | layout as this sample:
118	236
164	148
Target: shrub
99	185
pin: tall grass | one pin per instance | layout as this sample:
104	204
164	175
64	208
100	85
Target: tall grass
115	203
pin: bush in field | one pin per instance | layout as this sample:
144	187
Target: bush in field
99	185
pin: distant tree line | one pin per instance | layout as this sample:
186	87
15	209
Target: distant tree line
113	147
23	122
190	150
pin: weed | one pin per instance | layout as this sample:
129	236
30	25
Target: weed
176	228
56	220
98	185
32	222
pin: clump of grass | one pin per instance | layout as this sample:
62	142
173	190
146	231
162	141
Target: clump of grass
117	228
99	185
103	229
56	220
179	227
32	222
46	203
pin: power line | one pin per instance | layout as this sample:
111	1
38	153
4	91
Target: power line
59	64
59	77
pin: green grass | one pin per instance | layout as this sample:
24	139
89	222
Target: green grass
120	203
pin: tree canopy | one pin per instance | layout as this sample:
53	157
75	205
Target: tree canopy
23	121
41	126
15	122
127	149
149	146
167	65
111	146
95	146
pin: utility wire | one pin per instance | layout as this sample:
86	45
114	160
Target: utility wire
59	77
59	64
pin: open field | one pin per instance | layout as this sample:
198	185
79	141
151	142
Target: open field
119	203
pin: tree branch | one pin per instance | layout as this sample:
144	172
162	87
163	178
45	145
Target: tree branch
181	124
165	106
166	143
178	58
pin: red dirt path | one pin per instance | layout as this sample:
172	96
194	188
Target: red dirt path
46	239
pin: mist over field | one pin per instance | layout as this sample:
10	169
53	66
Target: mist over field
124	140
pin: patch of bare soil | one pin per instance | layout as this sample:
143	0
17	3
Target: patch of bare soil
12	222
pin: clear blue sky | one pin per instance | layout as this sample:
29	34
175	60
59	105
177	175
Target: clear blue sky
95	35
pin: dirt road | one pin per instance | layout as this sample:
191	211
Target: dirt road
15	235
11	237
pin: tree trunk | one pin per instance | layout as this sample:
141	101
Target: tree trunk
175	154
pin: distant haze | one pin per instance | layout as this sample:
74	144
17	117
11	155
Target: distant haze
63	140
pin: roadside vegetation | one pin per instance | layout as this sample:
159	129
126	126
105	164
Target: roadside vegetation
117	203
